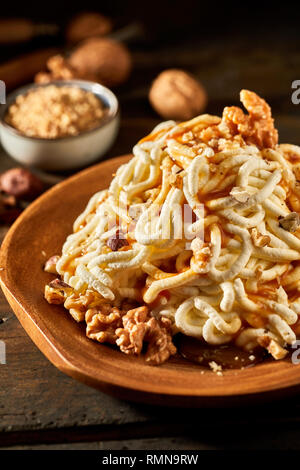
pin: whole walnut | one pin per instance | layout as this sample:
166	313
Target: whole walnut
86	25
175	94
102	60
21	183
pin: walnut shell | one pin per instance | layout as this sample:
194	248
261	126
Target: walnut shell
86	25
175	94
102	60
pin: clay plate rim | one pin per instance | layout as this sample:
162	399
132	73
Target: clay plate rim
43	226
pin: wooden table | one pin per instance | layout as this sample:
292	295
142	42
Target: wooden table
42	408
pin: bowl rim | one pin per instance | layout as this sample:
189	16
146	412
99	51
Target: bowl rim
97	89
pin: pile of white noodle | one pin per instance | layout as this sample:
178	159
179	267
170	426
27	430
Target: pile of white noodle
229	272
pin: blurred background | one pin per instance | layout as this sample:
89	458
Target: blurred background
227	46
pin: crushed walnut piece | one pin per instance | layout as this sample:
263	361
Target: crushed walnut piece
54	296
201	253
160	345
239	194
50	265
290	222
259	239
79	304
216	368
277	351
257	127
59	284
131	336
57	291
187	137
102	323
59	69
139	328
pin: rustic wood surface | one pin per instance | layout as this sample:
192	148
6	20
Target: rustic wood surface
42	408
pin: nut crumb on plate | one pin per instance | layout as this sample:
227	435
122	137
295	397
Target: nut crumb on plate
216	368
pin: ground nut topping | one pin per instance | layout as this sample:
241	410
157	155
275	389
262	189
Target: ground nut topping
50	112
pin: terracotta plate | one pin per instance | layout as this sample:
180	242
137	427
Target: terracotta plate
39	233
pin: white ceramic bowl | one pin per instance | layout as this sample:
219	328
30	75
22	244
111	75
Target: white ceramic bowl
64	153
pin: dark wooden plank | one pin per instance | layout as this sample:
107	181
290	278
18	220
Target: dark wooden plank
250	439
35	395
40	404
75	446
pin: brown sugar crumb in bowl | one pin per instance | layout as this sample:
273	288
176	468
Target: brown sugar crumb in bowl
52	112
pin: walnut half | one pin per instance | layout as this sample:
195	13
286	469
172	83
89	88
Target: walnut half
102	322
139	328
